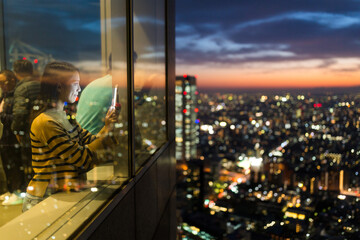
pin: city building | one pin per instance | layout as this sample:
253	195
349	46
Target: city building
187	123
130	193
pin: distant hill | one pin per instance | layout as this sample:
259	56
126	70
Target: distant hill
316	91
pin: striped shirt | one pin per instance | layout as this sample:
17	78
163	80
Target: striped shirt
60	153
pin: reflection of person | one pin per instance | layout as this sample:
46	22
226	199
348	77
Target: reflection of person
61	151
9	148
95	100
27	91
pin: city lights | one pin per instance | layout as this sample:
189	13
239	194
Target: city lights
223	124
341	197
280	154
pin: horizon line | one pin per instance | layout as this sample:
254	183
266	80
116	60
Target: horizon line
275	88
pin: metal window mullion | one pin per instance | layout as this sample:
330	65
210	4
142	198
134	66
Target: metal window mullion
169	69
167	73
130	85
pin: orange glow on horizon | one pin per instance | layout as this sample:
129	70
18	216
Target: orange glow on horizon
293	78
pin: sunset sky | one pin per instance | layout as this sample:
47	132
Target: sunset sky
269	44
229	43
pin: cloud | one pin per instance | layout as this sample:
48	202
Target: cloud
235	33
346	64
327	63
267	68
184	29
213	43
259	54
329	20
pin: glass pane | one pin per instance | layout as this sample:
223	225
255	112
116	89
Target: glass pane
149	78
58	149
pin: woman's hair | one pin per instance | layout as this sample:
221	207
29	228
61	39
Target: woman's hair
55	74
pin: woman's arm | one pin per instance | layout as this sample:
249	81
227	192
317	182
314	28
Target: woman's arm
55	142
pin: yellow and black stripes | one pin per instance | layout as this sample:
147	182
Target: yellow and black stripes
59	154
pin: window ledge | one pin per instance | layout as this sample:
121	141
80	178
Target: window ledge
61	214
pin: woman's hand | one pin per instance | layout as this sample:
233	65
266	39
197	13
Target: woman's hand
111	118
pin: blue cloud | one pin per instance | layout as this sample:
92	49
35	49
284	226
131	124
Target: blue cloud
242	31
330	20
184	29
214	43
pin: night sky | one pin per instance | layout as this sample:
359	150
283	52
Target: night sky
279	43
229	43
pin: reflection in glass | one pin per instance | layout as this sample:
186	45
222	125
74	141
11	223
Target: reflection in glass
149	78
70	170
62	151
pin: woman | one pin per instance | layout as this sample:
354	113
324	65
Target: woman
61	151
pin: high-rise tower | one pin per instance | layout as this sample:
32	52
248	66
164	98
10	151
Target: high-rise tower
187	124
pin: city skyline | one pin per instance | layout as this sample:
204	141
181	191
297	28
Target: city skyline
286	44
273	166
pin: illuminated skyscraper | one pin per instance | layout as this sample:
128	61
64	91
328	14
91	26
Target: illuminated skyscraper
187	123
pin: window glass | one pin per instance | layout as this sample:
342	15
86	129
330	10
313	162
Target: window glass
61	146
149	78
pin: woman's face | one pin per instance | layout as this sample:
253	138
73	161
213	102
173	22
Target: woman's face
70	90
